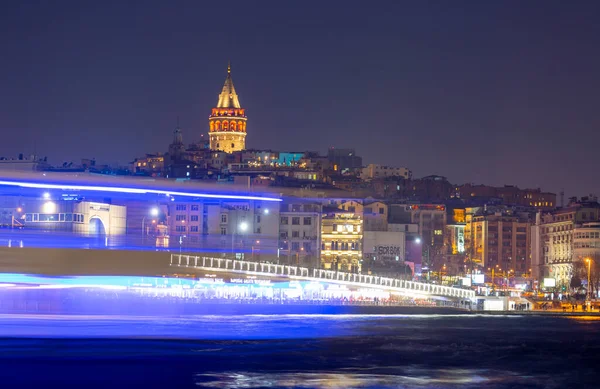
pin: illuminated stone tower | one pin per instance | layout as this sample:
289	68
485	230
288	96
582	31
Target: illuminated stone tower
227	122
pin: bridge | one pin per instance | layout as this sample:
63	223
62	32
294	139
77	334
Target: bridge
270	270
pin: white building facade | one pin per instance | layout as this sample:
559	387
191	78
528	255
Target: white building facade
376	171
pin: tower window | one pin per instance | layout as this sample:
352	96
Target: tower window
217	145
233	145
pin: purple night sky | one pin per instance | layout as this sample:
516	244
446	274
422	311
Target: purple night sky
502	92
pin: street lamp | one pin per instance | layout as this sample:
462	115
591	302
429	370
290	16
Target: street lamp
154	213
49	207
257	248
242	227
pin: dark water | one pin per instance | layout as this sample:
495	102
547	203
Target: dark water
300	352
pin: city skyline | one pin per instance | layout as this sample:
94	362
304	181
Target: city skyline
500	117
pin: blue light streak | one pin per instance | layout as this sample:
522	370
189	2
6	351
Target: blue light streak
95	188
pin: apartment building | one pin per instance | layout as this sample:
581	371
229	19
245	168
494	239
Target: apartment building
299	232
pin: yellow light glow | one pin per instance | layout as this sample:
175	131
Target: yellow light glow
49	207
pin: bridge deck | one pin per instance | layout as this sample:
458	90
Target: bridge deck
303	273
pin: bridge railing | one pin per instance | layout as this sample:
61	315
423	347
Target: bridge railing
272	269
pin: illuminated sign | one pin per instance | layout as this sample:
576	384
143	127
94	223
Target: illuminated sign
389	253
99	207
69	197
211	281
428	207
460	240
250	281
478	278
549	282
388	250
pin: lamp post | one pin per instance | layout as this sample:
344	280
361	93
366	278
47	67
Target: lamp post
14	221
154	213
418	241
298	256
181	244
243	226
257	248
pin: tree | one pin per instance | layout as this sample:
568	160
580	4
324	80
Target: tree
594	274
575	282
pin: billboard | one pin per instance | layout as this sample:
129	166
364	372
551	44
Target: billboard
385	245
549	282
478	278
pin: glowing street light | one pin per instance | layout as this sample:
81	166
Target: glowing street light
242	227
266	211
154	212
46	195
418	240
49	207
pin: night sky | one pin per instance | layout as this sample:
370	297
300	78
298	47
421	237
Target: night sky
493	92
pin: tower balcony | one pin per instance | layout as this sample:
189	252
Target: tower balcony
232	124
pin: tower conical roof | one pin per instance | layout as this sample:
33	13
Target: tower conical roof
228	98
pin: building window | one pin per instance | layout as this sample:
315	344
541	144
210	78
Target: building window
194	218
223	230
306	246
258	218
295	234
381	211
194	208
223	218
258	230
180	218
308	221
283	235
295	221
180	207
295	246
284	220
180	228
194	229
